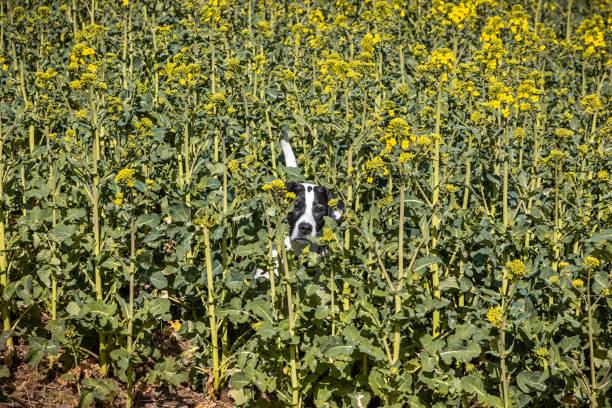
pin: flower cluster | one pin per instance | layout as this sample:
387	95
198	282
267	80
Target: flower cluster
277	189
515	269
592	37
328	235
591	262
494	315
125	177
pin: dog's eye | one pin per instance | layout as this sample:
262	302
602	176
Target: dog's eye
319	208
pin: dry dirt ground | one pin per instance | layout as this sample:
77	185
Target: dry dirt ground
31	387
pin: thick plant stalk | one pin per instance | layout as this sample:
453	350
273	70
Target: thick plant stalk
466	200
6	319
130	349
400	275
96	224
502	332
568	26
187	174
271	266
593	396
347	234
52	185
502	351
292	347
435	219
211	311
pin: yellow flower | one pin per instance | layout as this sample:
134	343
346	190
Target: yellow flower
564	133
328	235
125	177
118	201
542	353
333	202
404	157
424	141
591	104
563	266
405	144
233	165
495	315
515	269
218	99
256	325
577	283
278	184
554	280
76	84
175	325
603	175
126	3
591	262
81	113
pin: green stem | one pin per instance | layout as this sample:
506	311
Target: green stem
211	311
502	351
293	347
400	275
96	223
6	319
435	219
52	185
568	27
187	164
593	396
130	350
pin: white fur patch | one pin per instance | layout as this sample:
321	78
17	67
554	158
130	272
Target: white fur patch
306	217
288	152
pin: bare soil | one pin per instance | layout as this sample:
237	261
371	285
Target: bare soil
37	387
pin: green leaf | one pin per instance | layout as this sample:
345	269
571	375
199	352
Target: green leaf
158	306
340	350
262	309
461	353
103	390
180	212
472	384
605	235
168	372
159	280
150	220
38	347
421	265
62	232
372	351
238	381
529	381
103	313
377	383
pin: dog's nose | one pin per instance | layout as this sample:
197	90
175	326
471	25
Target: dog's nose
305	228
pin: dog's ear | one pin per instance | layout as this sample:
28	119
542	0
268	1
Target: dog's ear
293	187
336	211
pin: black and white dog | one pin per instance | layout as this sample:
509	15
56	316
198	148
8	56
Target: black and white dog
311	205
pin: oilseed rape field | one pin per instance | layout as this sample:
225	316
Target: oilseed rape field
143	190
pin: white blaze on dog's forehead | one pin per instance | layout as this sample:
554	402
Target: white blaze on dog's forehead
306	217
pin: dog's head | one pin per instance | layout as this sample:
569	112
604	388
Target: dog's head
309	208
